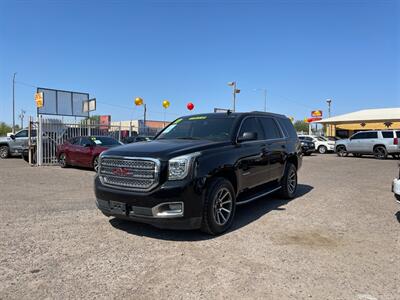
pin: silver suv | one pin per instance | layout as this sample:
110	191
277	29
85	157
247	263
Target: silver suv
380	143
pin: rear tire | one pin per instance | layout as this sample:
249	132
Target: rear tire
341	151
4	152
219	206
322	149
289	182
380	152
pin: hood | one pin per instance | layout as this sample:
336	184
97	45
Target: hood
4	139
163	149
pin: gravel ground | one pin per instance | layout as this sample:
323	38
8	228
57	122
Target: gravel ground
340	239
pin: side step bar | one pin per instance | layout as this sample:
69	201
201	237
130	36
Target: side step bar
258	195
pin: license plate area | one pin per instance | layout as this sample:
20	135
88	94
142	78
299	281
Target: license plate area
118	208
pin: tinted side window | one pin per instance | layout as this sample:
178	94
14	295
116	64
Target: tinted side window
288	128
73	141
398	134
23	133
85	141
387	134
271	129
252	125
371	135
358	136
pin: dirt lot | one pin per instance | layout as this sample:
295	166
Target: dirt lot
340	239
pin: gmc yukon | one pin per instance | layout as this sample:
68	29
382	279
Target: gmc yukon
198	169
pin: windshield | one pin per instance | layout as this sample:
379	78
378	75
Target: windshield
104	141
200	128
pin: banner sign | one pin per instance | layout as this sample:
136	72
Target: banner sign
39	100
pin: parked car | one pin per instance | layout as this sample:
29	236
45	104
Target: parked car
84	151
14	145
136	139
198	169
307	145
396	187
322	144
380	143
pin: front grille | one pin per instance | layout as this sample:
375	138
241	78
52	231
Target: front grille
137	174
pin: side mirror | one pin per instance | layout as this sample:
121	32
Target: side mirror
247	136
87	145
12	137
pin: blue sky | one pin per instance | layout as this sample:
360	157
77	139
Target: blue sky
303	52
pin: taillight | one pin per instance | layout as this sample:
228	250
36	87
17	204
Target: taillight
396	141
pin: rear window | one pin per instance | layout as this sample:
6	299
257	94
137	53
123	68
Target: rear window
288	127
387	134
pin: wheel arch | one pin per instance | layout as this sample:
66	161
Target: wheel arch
379	145
227	173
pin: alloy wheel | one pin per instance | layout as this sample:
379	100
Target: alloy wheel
4	152
322	149
96	164
341	151
222	206
62	160
292	181
380	152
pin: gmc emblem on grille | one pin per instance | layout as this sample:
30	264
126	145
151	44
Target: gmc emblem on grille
120	171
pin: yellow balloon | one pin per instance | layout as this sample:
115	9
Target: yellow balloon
165	103
138	101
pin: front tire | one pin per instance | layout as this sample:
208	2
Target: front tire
289	182
219	206
62	160
341	151
4	152
380	152
322	149
96	163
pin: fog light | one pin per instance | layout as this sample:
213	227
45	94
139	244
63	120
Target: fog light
168	210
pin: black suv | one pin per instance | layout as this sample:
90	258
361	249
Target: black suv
198	169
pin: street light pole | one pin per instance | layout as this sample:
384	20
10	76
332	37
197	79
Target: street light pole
329	101
13	128
265	97
235	91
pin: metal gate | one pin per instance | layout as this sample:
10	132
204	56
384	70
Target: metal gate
54	132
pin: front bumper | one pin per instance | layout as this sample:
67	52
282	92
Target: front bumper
307	149
148	207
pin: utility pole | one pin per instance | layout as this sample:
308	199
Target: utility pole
13	128
144	119
21	116
235	91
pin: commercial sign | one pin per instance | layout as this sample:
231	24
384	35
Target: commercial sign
105	121
39	99
310	120
316	113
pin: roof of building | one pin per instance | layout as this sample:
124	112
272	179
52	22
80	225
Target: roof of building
366	115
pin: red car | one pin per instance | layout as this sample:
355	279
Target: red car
84	151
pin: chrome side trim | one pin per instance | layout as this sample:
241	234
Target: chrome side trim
258	196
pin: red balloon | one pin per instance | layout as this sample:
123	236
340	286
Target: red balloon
190	106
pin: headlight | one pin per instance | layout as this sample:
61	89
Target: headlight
302	143
179	167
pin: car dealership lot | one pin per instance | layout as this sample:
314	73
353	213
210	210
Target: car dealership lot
340	239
